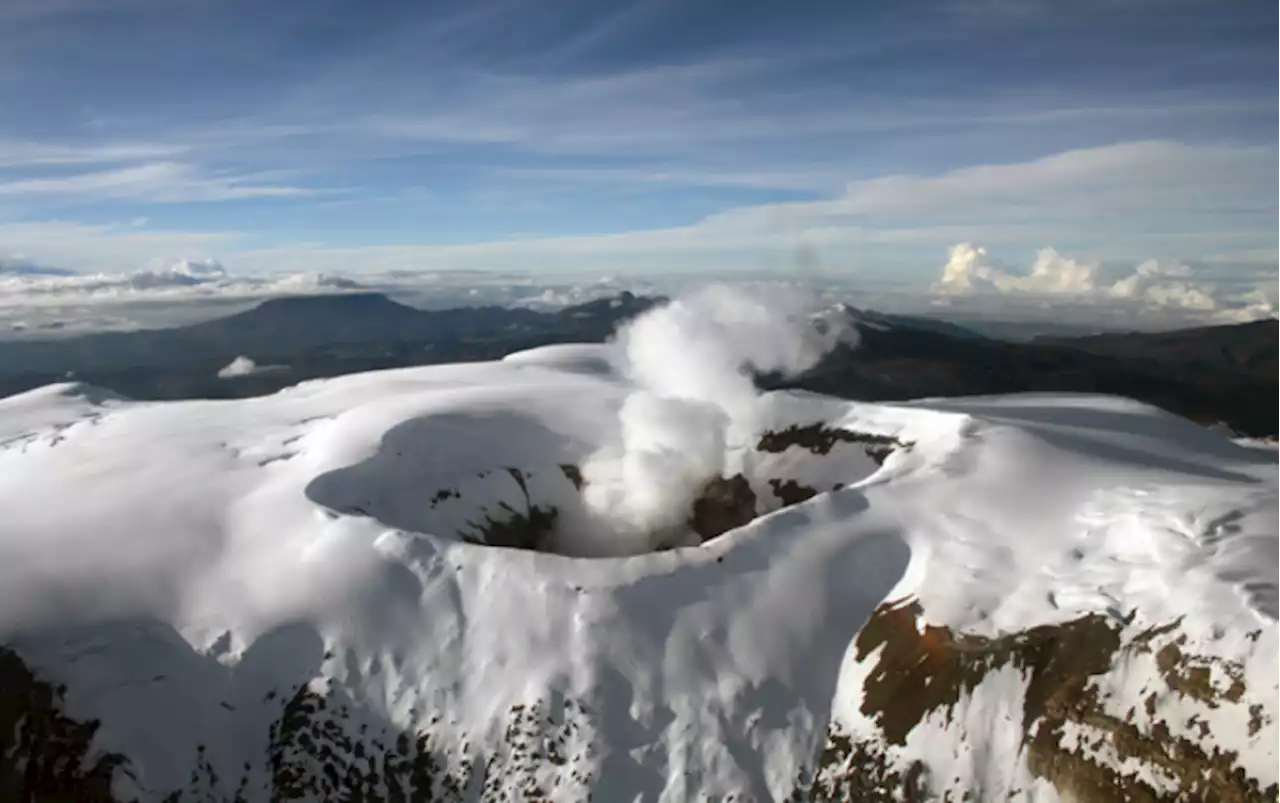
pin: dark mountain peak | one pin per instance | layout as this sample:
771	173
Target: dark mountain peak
279	325
615	308
874	319
1255	338
330	312
330	303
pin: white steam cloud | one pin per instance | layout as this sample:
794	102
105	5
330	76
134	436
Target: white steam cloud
695	401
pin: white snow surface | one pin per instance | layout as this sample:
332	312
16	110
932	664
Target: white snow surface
169	562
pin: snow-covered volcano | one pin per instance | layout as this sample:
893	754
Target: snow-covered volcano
312	595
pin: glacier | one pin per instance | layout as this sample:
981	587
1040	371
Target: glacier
315	595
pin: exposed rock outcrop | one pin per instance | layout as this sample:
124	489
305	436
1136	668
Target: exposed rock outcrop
44	754
921	671
821	439
530	528
321	747
725	503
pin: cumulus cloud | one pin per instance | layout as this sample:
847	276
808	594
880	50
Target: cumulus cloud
971	271
184	273
1164	286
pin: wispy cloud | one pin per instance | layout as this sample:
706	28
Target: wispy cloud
17	153
17	11
715	123
156	182
812	178
1021	10
1126	179
630	137
1116	201
36	10
651	108
1126	193
656	96
104	247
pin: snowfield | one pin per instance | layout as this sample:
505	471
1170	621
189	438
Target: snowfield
315	596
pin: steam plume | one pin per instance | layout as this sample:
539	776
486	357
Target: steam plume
695	400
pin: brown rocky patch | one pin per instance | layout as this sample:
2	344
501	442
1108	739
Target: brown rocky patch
725	503
1192	675
790	492
319	748
850	770
920	671
820	440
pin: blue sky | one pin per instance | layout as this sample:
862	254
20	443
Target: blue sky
655	136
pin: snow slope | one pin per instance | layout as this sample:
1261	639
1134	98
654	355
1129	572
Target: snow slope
295	596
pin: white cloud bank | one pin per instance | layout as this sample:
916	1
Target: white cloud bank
184	280
36	301
1190	206
1054	277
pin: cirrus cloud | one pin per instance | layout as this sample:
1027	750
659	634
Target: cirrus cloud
156	182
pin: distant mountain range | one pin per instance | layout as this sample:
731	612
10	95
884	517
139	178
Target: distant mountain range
1210	374
303	337
282	327
1222	373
